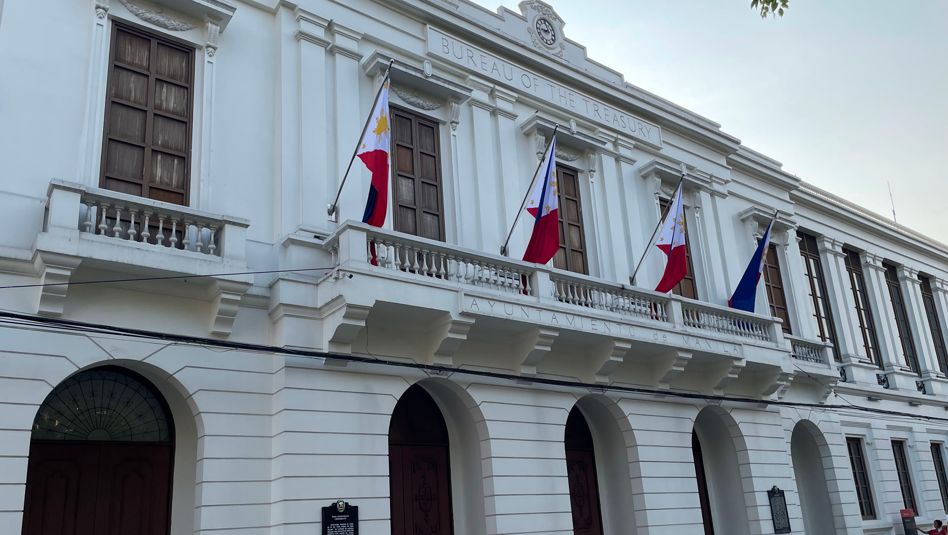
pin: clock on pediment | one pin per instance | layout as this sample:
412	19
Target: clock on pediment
544	26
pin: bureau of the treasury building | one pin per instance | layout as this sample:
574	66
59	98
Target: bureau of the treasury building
190	344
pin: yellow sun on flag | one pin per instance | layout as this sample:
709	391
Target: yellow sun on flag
381	125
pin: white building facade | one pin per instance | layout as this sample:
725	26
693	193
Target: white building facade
189	344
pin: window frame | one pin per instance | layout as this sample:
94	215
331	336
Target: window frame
938	459
561	221
862	305
934	324
154	37
818	292
690	278
439	166
900	312
861	478
771	287
904	471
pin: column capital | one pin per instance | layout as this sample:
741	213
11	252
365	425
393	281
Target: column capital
939	285
872	260
908	275
830	245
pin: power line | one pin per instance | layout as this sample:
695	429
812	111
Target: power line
169	277
12	318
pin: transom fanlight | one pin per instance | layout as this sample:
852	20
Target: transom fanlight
103	404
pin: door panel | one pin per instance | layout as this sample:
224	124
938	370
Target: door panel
133	489
60	489
422	504
583	492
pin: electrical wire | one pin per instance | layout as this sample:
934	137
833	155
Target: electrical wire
12	318
169	277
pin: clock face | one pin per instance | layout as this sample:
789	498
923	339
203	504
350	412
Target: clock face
545	31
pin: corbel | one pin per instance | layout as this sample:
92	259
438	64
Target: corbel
729	373
102	9
55	271
531	347
671	366
607	357
226	296
446	338
779	381
342	325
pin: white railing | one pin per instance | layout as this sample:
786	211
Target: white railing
808	351
437	260
577	290
707	317
127	218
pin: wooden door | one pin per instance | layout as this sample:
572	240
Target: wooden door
419	467
571	255
419	202
581	474
703	496
79	488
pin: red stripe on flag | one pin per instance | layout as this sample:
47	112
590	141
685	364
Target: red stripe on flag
675	270
545	240
377	162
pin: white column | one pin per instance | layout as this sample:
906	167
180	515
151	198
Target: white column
920	331
484	175
314	136
940	296
841	301
595	220
207	116
616	220
511	173
90	141
349	118
708	248
796	288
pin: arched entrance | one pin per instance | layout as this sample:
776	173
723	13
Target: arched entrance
100	458
718	474
581	471
419	466
809	471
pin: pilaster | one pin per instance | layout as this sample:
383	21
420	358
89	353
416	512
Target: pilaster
346	99
940	296
314	194
485	161
704	215
841	299
512	171
919	326
795	288
890	349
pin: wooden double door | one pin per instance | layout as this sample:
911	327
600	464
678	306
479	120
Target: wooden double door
97	488
581	474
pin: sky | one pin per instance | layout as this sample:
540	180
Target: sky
849	95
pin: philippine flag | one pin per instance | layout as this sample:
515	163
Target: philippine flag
373	151
672	242
745	295
543	205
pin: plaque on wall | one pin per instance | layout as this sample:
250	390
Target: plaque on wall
340	518
778	510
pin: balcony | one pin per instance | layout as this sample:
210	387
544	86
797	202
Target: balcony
109	231
535	320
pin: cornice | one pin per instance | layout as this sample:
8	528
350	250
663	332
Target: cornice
761	167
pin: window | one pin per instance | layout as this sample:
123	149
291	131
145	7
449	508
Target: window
940	473
687	287
905	477
901	316
147	140
418	202
572	253
857	281
934	323
773	282
861	477
822	312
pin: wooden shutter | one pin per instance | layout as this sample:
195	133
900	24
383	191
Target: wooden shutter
572	253
857	282
901	317
822	313
419	200
687	287
773	282
147	140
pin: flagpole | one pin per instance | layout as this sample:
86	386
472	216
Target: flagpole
657	226
331	209
503	248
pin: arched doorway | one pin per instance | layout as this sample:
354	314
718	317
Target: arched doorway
419	466
809	471
581	471
718	473
100	458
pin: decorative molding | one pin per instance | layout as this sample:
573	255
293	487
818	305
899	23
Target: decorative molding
101	8
213	37
454	114
157	15
541	17
415	98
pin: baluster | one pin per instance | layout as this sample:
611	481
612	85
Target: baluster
90	217
160	237
174	233
103	222
424	262
146	233
117	229
199	238
211	246
525	277
442	268
131	225
186	235
403	253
